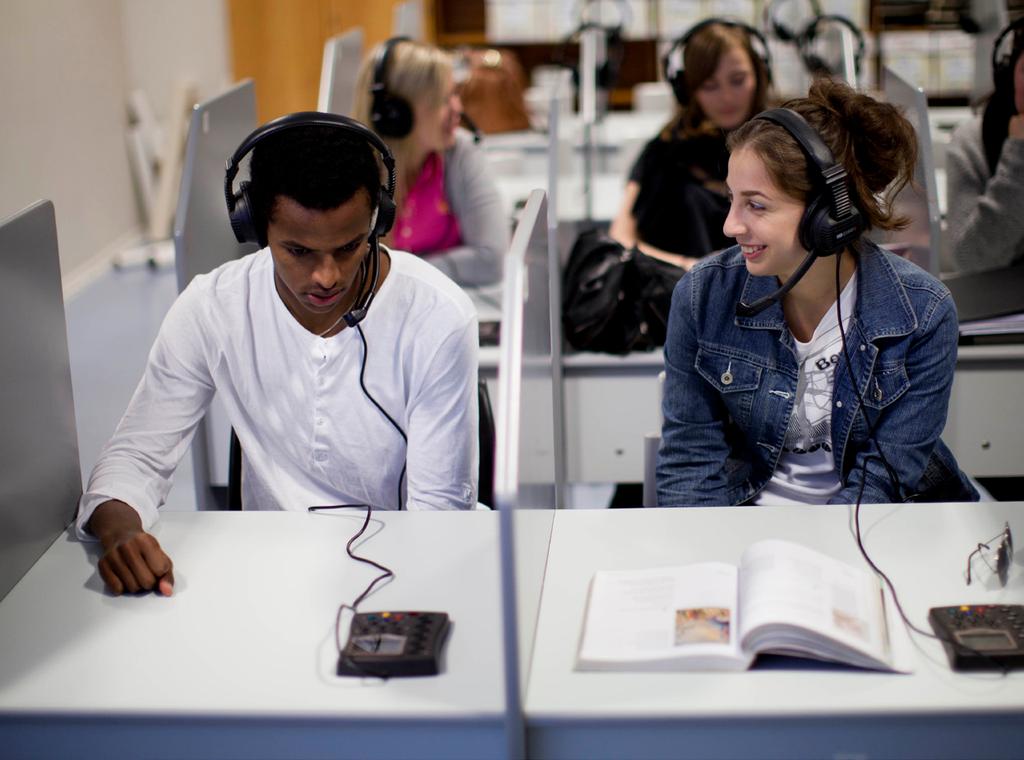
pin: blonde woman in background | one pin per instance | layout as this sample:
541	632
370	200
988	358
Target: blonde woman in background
449	208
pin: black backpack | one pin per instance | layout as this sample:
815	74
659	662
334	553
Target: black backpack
615	299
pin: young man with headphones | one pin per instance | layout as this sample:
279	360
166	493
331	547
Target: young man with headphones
674	203
806	364
985	164
348	370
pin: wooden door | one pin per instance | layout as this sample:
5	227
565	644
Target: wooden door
279	44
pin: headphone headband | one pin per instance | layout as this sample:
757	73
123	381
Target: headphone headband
380	63
239	204
805	38
998	63
390	115
780	30
625	12
828	229
677	78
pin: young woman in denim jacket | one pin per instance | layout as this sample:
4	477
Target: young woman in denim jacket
763	408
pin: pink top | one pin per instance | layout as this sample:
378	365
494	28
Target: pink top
425	222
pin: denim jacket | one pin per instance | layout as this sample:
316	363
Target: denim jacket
731	385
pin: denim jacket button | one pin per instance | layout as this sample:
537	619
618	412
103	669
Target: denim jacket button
727	378
839	404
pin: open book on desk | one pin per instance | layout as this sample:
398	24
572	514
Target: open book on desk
783	598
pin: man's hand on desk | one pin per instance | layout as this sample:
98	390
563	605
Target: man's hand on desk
132	559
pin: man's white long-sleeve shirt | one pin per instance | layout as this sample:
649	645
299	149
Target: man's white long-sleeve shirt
309	434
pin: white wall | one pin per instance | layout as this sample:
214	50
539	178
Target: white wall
62	88
66	68
170	42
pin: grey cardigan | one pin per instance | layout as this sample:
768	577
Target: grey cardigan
477	205
986	212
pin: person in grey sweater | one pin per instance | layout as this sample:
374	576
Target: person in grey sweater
985	173
450	211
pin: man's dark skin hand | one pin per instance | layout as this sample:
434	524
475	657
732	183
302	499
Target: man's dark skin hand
132	559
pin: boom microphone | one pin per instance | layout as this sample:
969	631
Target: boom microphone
749	310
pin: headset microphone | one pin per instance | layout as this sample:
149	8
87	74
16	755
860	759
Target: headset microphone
244	216
357	313
469	124
830	221
749	310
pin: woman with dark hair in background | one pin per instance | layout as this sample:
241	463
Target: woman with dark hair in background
985	169
675	201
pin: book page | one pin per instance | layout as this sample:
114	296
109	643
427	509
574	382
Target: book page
796	600
674	618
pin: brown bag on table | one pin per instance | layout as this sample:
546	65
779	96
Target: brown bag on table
492	93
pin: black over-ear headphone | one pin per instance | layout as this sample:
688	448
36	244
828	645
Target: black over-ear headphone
390	115
240	207
243	215
677	77
830	221
780	30
1002	66
814	63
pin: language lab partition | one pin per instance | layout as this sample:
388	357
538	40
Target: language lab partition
42	479
921	240
407	20
528	466
342	56
203	240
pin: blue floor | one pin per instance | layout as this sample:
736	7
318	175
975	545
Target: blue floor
112	323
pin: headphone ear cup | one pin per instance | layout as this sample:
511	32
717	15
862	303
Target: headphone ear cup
782	32
814	227
1002	75
392	116
241	215
821	233
815	64
679	88
385	214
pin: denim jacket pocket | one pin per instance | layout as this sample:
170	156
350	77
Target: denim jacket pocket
736	379
886	385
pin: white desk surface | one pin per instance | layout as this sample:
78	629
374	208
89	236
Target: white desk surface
240	660
923	548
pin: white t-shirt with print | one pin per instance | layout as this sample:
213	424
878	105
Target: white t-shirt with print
806	471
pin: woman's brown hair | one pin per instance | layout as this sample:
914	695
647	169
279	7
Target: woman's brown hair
701	56
873	141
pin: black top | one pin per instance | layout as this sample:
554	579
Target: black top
674	210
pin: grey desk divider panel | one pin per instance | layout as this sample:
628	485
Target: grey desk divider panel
203	240
528	462
42	479
342	56
407	20
919	201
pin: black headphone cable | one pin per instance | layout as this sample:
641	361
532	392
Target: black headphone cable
894	481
